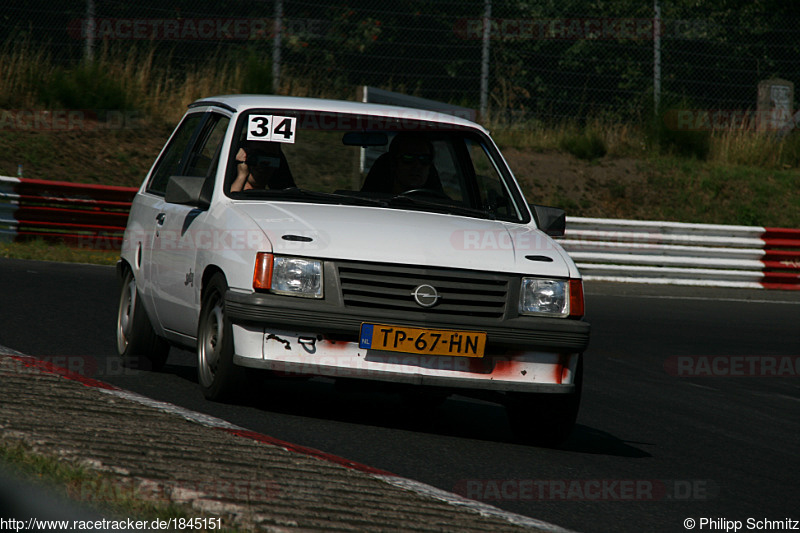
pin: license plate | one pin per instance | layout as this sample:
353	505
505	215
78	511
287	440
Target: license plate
422	341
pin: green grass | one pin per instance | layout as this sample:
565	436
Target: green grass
40	250
107	495
697	191
35	150
112	497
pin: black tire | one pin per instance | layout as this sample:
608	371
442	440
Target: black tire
137	343
218	377
545	419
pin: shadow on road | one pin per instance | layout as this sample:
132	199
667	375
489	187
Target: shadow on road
383	405
586	439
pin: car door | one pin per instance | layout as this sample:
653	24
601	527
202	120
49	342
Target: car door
170	262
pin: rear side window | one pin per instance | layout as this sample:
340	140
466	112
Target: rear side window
173	158
204	158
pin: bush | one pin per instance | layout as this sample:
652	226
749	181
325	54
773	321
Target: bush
87	86
665	133
256	75
585	145
790	150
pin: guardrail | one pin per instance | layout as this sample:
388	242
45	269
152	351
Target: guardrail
684	254
88	216
94	216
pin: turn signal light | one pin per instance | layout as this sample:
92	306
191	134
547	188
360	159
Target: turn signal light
262	274
576	309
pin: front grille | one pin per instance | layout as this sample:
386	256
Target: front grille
390	288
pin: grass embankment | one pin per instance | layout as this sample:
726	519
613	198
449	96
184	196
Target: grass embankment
40	250
103	494
741	177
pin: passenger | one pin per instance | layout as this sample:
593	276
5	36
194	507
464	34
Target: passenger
260	166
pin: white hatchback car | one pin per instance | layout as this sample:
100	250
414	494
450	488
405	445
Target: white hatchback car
350	240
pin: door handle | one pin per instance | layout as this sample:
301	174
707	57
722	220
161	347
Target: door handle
160	218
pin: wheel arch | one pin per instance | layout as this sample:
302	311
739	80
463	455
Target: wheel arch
122	267
208	273
138	342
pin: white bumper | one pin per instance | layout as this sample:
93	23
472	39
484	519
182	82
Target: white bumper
303	353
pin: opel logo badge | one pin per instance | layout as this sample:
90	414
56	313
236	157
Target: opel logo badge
426	295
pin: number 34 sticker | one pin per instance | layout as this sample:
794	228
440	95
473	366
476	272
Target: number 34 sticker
271	128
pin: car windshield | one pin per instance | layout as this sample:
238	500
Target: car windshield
372	161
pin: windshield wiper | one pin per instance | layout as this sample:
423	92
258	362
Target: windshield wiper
453	209
296	192
400	200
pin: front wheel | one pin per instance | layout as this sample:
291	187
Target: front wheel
137	343
545	419
219	378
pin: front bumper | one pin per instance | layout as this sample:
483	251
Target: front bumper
303	337
295	353
515	333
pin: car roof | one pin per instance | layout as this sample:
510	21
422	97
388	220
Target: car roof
244	102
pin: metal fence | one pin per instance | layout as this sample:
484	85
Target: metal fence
676	253
517	60
86	216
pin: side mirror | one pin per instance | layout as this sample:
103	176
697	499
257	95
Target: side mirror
551	220
187	190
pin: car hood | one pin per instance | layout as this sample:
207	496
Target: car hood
410	237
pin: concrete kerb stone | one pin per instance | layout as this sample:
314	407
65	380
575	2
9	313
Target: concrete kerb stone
161	452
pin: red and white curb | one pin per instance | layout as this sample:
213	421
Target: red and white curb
416	487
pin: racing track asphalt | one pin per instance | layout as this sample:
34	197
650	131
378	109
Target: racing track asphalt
719	446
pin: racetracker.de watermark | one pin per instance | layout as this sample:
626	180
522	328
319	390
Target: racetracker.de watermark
75	366
172	29
67	119
598	490
727	119
483	240
489	240
580	29
220	240
726	366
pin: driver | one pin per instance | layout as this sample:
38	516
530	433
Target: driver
411	163
261	165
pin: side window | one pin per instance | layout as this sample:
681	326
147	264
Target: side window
445	163
492	190
173	157
204	158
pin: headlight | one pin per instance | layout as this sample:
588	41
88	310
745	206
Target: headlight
551	297
293	276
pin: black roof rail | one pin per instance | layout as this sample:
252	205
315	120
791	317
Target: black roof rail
203	103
